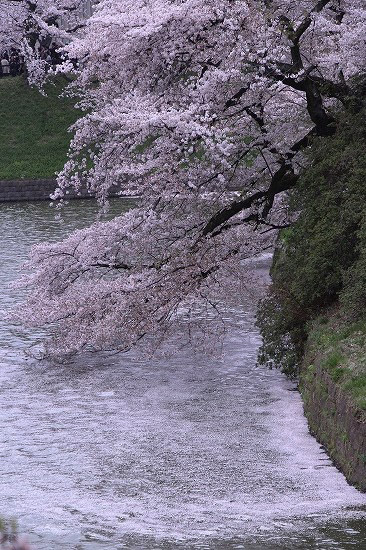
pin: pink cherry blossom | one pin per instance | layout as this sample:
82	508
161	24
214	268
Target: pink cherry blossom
202	110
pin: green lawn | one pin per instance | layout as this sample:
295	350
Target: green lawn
33	130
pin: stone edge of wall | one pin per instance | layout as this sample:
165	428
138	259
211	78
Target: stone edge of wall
336	423
39	190
35	190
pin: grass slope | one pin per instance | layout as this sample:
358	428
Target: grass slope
339	346
33	130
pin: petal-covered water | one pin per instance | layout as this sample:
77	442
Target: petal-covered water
186	452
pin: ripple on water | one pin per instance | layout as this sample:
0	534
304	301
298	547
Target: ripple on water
184	453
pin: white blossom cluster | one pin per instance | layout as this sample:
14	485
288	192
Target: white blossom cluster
27	24
185	100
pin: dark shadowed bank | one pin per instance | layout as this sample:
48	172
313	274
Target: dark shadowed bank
313	321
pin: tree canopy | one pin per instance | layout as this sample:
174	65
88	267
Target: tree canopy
186	101
28	25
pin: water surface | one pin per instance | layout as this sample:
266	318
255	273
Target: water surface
182	453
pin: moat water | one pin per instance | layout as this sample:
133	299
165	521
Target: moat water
182	453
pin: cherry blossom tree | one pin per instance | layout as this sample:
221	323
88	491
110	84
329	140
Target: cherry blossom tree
29	25
202	110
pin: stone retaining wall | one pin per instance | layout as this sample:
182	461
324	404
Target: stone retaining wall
335	422
39	190
25	190
32	190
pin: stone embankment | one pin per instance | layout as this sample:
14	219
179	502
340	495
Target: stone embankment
27	190
336	422
39	190
36	190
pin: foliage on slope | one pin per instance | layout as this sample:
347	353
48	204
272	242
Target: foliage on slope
321	259
33	131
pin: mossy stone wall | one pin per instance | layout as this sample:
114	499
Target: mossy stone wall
336	422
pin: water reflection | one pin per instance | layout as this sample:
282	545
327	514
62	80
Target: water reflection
112	453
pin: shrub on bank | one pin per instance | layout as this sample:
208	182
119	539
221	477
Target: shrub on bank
321	260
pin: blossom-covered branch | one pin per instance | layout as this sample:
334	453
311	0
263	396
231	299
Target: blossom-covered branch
203	112
30	25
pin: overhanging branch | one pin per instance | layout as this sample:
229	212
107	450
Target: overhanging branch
282	180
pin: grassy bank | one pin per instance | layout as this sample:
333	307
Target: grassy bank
33	130
338	347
